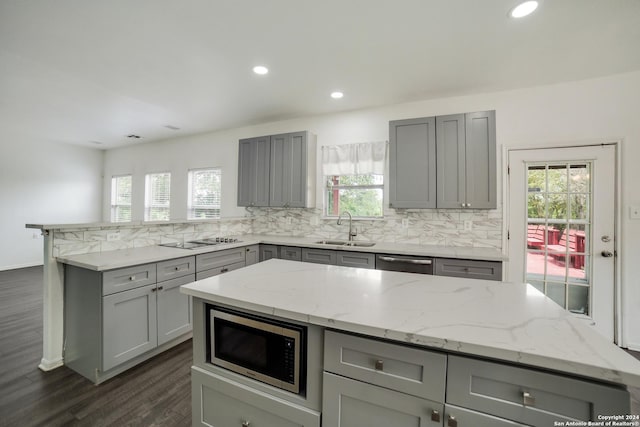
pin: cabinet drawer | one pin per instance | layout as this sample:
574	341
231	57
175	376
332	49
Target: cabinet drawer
319	256
220	402
219	270
267	252
219	259
356	259
529	396
291	253
128	278
466	418
409	370
349	403
174	268
488	270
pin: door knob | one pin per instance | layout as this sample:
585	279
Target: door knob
607	254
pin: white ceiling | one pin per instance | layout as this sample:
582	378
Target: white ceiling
77	71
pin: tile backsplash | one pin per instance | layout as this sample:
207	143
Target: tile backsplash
450	227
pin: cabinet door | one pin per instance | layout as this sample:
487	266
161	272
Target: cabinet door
480	131
319	256
356	259
288	170
351	403
291	253
251	255
267	252
220	402
412	163
253	171
174	309
129	325
450	134
461	417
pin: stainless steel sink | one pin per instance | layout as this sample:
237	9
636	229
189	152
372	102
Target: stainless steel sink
344	243
185	245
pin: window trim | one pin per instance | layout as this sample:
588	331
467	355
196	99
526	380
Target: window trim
114	206
147	194
190	207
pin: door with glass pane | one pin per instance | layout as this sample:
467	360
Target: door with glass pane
562	228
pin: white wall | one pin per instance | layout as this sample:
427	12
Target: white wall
42	182
598	109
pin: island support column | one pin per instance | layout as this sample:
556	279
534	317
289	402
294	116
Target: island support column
53	308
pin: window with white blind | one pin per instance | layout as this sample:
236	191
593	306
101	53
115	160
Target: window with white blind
121	198
204	193
157	196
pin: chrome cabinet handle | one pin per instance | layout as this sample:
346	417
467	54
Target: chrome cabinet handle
177	268
528	399
409	261
160	288
132	278
224	270
246	424
379	365
435	416
452	421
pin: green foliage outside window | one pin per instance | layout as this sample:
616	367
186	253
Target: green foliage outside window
361	195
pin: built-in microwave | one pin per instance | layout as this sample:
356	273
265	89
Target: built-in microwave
261	348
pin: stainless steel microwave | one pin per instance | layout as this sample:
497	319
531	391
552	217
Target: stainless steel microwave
261	348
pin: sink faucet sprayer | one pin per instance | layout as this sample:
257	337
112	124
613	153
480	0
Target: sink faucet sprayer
352	232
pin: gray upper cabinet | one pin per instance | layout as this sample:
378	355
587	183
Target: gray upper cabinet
277	171
466	160
253	171
412	163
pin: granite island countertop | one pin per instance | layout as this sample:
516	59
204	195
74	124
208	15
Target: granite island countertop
109	260
509	322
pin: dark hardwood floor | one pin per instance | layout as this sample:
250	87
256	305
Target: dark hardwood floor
155	393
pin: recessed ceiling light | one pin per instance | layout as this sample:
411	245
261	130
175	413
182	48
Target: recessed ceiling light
260	69
134	136
523	9
337	95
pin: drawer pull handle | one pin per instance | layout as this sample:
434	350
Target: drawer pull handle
528	399
132	278
160	288
246	424
452	421
224	270
379	365
177	268
153	290
435	416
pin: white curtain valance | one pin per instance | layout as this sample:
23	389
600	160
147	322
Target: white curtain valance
354	159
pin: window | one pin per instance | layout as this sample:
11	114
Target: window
157	196
204	194
354	179
121	198
361	195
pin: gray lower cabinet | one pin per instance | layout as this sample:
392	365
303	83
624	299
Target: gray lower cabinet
356	259
528	396
220	402
466	161
118	318
214	263
469	269
268	251
350	403
252	255
319	256
460	417
291	253
412	163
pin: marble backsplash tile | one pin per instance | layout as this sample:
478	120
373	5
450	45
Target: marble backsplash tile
477	228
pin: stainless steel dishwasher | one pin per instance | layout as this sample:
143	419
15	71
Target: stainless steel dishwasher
406	263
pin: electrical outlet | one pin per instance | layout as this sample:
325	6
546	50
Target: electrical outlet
468	225
405	223
113	236
634	212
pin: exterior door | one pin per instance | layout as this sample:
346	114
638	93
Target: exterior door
561	228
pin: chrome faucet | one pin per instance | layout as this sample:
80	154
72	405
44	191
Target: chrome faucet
352	232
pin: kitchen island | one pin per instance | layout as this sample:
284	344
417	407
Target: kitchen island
506	330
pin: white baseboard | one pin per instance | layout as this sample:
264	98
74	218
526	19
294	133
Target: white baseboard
14	267
50	365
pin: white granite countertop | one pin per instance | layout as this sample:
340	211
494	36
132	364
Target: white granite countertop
109	260
505	321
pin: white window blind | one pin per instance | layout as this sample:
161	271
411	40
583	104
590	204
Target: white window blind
204	193
121	198
157	196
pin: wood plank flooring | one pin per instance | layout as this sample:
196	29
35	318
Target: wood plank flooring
155	393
